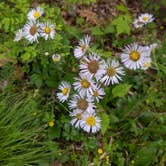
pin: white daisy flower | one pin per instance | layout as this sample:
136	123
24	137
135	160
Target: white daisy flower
147	63
19	35
31	31
92	65
34	14
146	18
81	49
90	123
77	117
97	93
133	56
47	30
64	87
137	23
83	84
113	73
82	103
56	57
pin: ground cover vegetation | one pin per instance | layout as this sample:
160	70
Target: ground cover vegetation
82	82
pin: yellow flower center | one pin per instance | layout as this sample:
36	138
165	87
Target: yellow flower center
85	83
33	30
78	116
95	93
65	91
36	14
111	71
47	30
100	151
82	104
83	47
93	66
145	18
90	121
51	124
134	55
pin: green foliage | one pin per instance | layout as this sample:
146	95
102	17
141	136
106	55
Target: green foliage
120	90
79	1
23	136
105	123
132	113
122	24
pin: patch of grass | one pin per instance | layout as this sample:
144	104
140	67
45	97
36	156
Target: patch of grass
22	138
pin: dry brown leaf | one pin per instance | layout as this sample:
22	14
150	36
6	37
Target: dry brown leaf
3	61
90	16
18	72
55	163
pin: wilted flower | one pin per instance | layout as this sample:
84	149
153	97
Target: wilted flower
19	35
56	57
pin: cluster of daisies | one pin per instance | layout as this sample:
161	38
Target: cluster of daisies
34	29
95	74
142	20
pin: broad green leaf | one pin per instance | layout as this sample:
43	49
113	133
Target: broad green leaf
109	29
104	123
54	132
96	31
122	8
146	155
120	90
122	24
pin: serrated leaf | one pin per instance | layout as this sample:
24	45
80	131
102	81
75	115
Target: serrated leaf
104	123
122	24
120	90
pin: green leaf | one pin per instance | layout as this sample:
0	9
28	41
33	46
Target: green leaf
163	68
113	119
104	123
37	80
54	132
120	90
96	31
51	83
122	24
146	155
109	29
163	2
122	8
